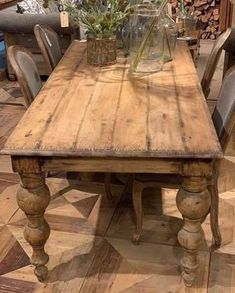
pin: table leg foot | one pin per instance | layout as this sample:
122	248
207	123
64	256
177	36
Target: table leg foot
33	198
193	201
41	273
136	239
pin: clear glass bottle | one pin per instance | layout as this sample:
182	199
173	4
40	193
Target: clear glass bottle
170	32
146	40
186	22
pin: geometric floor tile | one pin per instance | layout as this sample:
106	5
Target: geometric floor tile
12	255
10	93
90	248
65	208
161	221
227	222
222	273
121	267
9	285
10	207
85	206
86	259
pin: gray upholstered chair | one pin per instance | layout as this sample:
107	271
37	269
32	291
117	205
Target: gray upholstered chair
213	61
48	42
224	121
229	48
26	71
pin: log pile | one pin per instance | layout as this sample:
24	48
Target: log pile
207	12
5	3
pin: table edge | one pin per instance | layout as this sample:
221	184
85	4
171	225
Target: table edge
113	154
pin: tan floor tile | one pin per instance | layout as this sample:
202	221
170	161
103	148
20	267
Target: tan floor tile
222	273
12	255
227	174
10	285
122	267
57	186
101	216
65	209
62	241
24	274
227	222
10	207
6	243
74	195
4	95
68	264
161	220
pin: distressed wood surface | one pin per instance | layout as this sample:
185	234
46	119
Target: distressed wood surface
89	111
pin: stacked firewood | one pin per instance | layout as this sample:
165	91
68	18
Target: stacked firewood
207	12
4	2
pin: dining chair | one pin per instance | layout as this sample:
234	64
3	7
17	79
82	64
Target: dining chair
224	121
229	50
48	42
26	72
30	84
213	61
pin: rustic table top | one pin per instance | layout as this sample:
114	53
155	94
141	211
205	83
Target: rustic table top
104	112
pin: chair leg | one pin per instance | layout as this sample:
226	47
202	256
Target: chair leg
107	183
127	188
137	204
214	213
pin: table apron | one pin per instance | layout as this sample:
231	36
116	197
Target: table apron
185	167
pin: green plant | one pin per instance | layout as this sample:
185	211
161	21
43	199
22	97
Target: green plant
101	19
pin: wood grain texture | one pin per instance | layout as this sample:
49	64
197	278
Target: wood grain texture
87	111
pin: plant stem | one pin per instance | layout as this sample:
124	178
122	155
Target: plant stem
168	42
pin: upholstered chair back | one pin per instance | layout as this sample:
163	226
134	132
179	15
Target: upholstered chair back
224	113
26	72
49	45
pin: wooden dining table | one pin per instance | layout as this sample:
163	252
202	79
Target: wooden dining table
103	119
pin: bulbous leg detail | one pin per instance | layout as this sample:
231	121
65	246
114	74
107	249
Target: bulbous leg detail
33	198
193	201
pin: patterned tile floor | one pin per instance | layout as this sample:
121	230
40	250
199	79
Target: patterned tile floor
89	246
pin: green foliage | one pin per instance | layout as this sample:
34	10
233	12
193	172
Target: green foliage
100	18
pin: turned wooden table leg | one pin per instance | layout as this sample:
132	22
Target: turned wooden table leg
33	198
193	201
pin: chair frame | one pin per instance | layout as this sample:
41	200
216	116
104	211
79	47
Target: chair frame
12	51
38	30
212	184
213	61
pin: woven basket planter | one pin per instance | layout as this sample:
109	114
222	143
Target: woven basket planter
101	52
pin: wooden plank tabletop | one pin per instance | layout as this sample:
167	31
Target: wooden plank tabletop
90	111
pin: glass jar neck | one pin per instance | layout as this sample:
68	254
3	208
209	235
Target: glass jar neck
181	6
